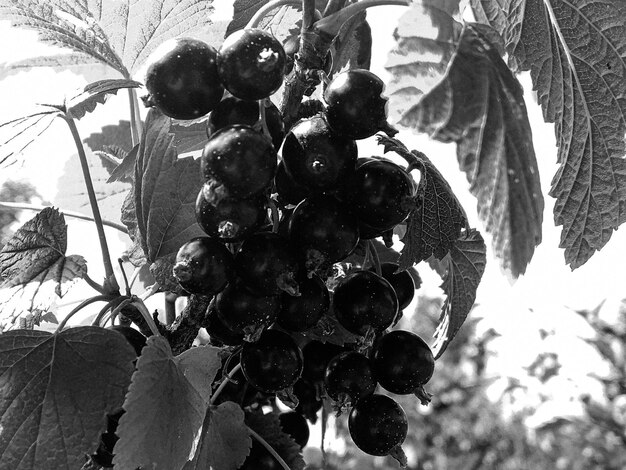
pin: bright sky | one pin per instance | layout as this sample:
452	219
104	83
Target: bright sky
541	298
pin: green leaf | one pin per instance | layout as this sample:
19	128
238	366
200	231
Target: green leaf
189	137
94	93
76	62
353	44
166	189
480	105
576	54
282	20
225	440
464	265
125	170
438	218
65	23
268	427
72	192
113	134
165	406
56	392
426	39
17	134
243	11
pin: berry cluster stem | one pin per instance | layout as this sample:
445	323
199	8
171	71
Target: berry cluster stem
269	448
110	282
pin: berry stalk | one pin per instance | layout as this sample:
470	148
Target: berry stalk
110	283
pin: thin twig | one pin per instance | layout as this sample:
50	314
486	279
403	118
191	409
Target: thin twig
269	448
93	284
76	215
115	303
225	381
146	315
79	307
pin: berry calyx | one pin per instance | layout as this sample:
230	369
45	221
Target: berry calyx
355	107
241	158
203	266
272	363
251	64
402	361
183	81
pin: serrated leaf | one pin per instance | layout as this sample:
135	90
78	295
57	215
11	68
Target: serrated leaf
166	189
480	105
576	54
426	39
55	394
353	44
269	428
66	23
125	170
164	409
72	192
93	94
438	218
113	134
17	134
72	61
225	440
280	20
465	265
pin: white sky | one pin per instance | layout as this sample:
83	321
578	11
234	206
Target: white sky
541	298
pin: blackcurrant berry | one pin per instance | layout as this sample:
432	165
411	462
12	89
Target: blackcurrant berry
243	159
354	105
381	194
377	424
364	300
267	264
402	283
134	337
303	312
219	333
244	312
317	355
324	230
295	425
272	363
289	191
316	157
228	218
402	362
349	378
232	110
203	266
251	64
183	81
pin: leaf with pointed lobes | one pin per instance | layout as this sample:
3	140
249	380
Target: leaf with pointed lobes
480	105
576	55
464	267
436	222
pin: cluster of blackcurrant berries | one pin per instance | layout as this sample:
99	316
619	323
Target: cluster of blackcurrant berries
275	226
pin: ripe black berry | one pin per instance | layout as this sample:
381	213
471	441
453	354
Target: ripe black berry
354	105
272	363
244	312
364	300
219	333
203	266
349	378
228	218
402	362
289	191
402	283
251	64
295	425
303	312
381	194
377	424
317	355
324	230
243	159
183	81
232	110
267	265
316	157
134	337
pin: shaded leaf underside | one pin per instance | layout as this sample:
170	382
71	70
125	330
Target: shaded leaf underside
576	55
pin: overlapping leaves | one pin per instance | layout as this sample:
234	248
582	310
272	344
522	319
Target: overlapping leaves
576	55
